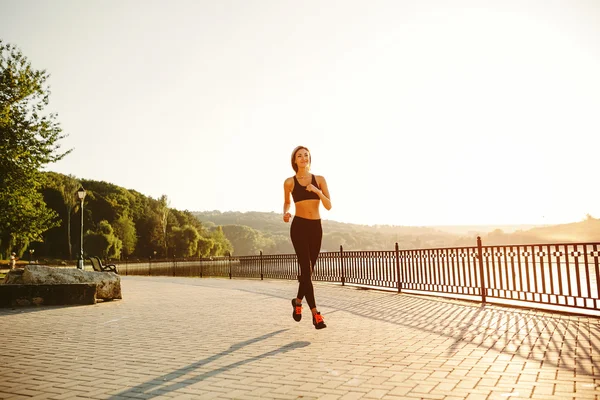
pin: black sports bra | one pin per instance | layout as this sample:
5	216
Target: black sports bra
300	193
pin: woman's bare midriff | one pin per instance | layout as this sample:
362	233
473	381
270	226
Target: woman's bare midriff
308	209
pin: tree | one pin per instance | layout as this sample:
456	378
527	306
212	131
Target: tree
247	241
184	241
103	242
96	244
125	230
149	235
222	246
66	185
29	139
164	204
205	246
69	188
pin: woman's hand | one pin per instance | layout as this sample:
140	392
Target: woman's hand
286	217
312	188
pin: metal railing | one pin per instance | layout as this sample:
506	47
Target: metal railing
563	275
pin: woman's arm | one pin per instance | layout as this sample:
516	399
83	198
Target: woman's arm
323	193
287	190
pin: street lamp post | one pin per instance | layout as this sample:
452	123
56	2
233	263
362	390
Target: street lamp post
81	196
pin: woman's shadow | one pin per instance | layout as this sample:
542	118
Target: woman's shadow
160	385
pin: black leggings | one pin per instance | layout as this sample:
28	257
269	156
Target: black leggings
306	237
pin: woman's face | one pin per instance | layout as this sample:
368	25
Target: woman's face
302	158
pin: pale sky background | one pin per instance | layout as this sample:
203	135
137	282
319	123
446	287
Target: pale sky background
417	112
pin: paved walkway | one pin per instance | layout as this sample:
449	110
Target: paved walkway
187	338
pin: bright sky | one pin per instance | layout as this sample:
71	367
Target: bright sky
417	112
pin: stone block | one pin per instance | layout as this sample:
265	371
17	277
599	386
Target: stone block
108	284
15	295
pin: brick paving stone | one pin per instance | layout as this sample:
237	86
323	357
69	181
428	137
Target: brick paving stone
355	389
426	387
336	392
329	396
401	390
64	395
432	396
376	394
206	338
489	382
352	396
467	384
476	396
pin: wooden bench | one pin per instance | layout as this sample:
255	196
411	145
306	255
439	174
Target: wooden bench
97	265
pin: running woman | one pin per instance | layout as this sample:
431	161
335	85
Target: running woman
308	192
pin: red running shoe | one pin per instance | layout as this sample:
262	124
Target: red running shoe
318	321
297	313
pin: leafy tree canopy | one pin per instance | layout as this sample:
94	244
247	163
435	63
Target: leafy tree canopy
122	223
29	140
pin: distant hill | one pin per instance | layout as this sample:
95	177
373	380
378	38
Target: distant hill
479	229
575	232
271	229
350	236
584	231
272	222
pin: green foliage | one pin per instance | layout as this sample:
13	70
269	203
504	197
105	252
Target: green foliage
149	236
205	246
108	201
246	241
222	246
96	244
54	238
125	223
102	242
163	210
26	219
29	139
184	241
125	230
66	186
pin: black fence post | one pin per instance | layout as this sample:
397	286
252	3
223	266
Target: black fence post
149	266
398	270
173	266
261	266
480	258
201	263
229	265
342	262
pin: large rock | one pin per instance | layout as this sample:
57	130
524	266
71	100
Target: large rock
47	295
108	283
14	277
